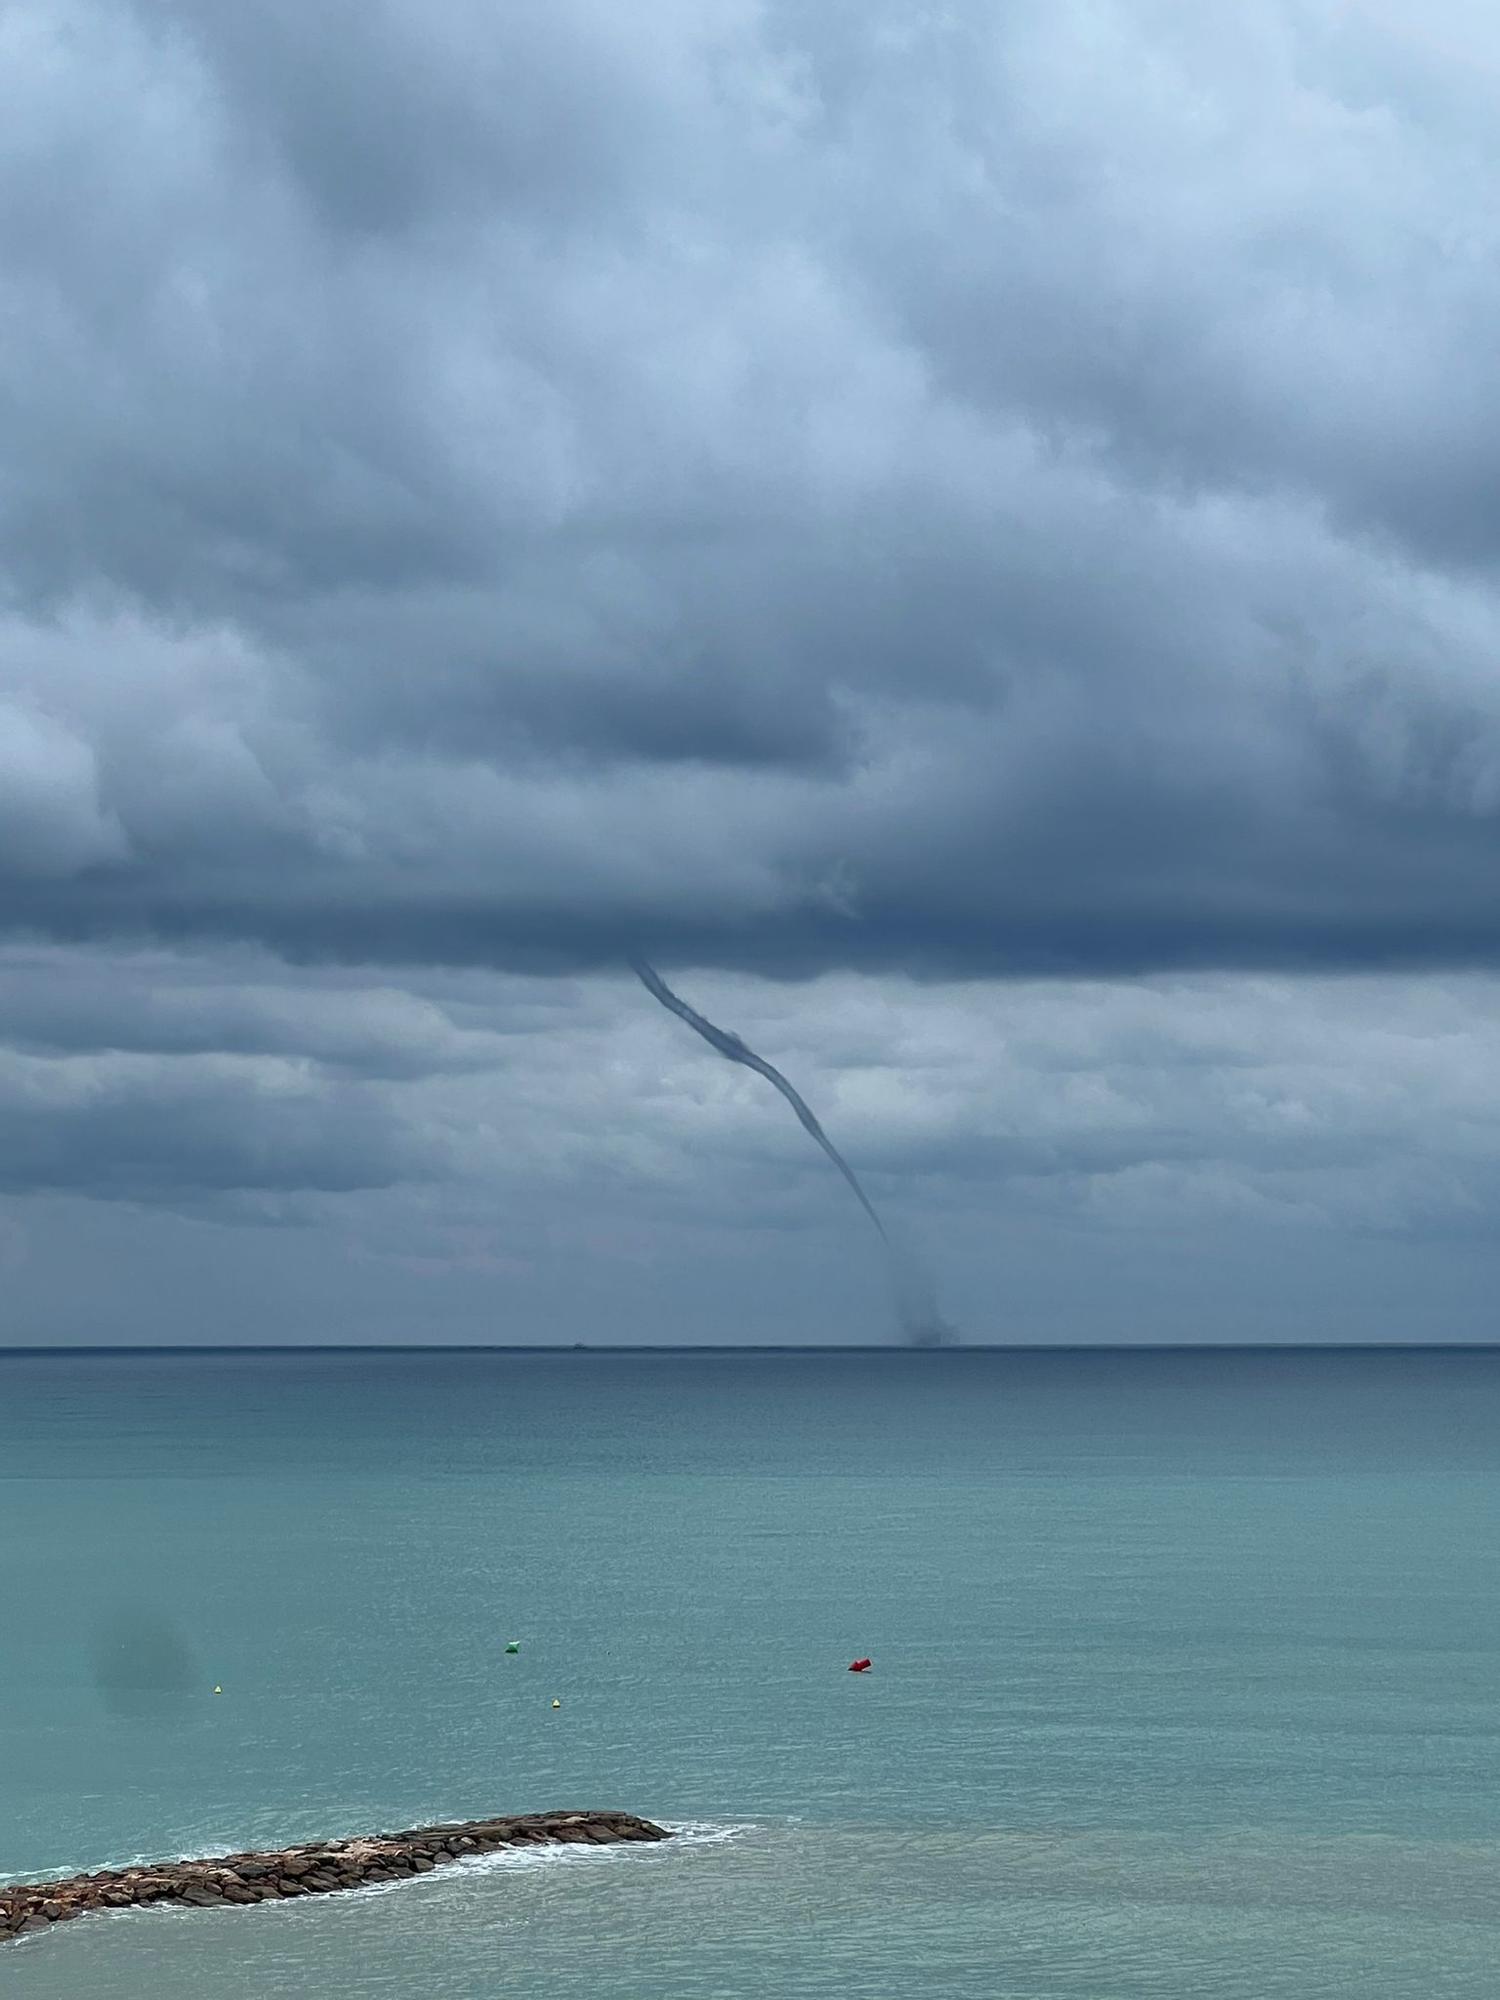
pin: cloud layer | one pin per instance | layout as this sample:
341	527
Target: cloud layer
956	492
208	1148
866	496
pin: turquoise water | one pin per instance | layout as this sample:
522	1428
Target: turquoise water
1187	1668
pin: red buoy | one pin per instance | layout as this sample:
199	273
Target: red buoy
860	1666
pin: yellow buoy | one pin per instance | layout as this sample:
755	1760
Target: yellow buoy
557	1704
218	1690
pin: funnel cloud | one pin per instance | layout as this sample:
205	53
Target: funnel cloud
911	1286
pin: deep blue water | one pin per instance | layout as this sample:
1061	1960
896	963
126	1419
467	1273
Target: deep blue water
1187	1666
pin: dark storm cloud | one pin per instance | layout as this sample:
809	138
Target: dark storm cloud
961	492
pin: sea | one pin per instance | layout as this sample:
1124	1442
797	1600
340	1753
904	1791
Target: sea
1185	1682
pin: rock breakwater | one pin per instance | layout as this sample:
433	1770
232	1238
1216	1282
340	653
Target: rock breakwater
313	1868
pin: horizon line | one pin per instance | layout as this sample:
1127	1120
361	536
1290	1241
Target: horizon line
10	1350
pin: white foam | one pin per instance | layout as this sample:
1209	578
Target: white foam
571	1854
713	1832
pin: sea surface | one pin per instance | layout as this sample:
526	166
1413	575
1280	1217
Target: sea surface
1186	1668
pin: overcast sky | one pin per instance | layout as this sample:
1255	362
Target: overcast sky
969	534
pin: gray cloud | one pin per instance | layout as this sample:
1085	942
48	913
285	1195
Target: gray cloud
132	1129
1080	1159
972	493
857	497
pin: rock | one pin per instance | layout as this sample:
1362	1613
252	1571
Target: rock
318	1868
